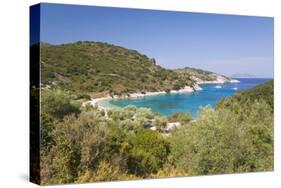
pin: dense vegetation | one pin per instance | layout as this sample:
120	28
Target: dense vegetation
97	69
83	144
86	144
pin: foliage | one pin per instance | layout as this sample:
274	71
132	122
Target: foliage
169	169
220	141
161	122
58	104
80	144
131	118
182	117
148	151
47	126
90	68
86	144
239	101
93	148
104	172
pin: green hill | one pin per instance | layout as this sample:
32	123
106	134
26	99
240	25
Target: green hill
98	69
264	92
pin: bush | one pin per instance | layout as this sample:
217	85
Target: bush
182	117
220	141
178	86
77	146
80	144
161	122
104	172
122	114
46	128
58	104
148	152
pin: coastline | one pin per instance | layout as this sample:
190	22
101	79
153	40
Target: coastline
219	80
97	101
187	89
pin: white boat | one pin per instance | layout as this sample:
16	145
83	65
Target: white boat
235	86
217	86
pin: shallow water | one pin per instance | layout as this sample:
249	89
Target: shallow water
187	102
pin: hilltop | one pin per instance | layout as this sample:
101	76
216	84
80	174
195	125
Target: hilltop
100	69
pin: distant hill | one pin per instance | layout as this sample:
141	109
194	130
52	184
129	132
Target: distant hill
98	69
243	75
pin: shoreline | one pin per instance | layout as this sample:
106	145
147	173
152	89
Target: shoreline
187	89
219	80
96	101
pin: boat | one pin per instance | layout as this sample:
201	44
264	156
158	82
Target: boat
218	87
235	87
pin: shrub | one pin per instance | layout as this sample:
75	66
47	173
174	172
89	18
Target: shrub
80	144
58	104
148	152
220	141
104	172
46	128
161	122
182	117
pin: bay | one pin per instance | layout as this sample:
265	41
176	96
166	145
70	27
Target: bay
168	104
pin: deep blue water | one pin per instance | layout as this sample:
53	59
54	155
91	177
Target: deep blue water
188	102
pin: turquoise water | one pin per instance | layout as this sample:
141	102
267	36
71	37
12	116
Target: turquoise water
187	102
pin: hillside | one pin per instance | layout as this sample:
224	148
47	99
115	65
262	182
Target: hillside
98	69
263	92
201	76
119	145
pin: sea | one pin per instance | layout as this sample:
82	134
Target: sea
170	103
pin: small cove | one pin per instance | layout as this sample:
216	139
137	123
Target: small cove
167	104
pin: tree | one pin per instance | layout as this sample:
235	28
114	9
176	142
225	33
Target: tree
221	141
58	104
80	144
104	172
182	117
161	122
46	129
148	151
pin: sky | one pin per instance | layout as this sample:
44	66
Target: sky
224	44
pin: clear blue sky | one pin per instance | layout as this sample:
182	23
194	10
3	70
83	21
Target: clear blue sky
221	43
